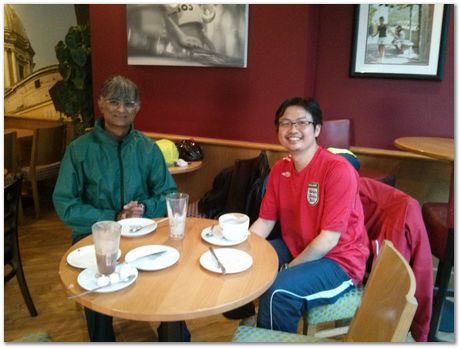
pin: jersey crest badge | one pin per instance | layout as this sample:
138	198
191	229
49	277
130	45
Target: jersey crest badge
313	193
286	174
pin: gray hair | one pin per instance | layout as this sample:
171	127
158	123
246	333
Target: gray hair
121	88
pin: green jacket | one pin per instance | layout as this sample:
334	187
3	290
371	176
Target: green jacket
100	174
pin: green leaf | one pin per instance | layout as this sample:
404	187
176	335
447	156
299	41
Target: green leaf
73	39
62	54
66	70
79	55
78	78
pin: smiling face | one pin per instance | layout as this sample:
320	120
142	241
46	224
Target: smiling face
299	139
118	115
119	103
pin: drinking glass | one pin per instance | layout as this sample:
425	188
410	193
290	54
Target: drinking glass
176	203
106	237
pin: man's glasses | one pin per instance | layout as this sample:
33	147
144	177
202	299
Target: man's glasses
300	124
114	104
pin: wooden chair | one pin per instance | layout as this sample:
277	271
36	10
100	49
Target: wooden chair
389	214
387	308
439	222
47	149
12	255
337	133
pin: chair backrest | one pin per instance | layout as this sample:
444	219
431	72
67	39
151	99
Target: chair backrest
12	193
9	152
335	133
48	145
388	304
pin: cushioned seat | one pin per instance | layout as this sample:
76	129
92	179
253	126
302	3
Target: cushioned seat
344	308
248	334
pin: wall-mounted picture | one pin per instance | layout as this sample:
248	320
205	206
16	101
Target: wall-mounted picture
399	40
205	35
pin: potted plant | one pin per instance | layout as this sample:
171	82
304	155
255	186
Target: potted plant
73	94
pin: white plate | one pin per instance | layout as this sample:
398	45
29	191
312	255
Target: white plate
127	223
154	262
220	241
234	260
87	279
85	257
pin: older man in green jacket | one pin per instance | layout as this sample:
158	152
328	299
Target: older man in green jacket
111	173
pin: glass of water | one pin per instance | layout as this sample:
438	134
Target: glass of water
176	203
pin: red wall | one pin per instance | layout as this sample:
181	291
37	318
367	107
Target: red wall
381	109
292	50
228	103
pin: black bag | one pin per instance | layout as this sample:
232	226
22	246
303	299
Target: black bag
239	188
212	204
189	150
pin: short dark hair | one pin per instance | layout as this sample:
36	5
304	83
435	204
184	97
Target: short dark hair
309	104
121	88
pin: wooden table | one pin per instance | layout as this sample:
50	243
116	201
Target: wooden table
434	147
192	166
439	148
183	291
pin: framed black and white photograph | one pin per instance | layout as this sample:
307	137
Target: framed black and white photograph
188	34
399	41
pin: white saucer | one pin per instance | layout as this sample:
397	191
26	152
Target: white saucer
85	257
154	262
127	223
220	241
87	279
234	260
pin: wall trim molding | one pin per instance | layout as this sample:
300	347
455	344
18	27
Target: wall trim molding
358	150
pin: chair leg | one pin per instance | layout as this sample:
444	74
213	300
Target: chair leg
442	281
25	290
36	198
444	271
20	212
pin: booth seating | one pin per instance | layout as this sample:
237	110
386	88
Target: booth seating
337	133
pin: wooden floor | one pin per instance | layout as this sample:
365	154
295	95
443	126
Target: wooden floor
43	242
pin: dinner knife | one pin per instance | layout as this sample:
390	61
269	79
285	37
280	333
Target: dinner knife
219	264
158	253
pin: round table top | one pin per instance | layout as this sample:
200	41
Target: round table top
185	290
192	166
435	147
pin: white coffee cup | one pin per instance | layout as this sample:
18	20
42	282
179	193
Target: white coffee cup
234	226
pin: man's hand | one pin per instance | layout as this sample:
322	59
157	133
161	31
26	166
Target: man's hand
131	210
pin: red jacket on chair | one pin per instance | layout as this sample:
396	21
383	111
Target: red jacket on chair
394	215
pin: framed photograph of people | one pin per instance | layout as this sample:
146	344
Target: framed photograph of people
205	35
399	41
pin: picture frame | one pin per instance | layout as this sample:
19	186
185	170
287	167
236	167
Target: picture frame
406	41
201	35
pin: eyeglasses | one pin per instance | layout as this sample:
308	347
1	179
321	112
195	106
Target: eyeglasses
114	104
301	124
